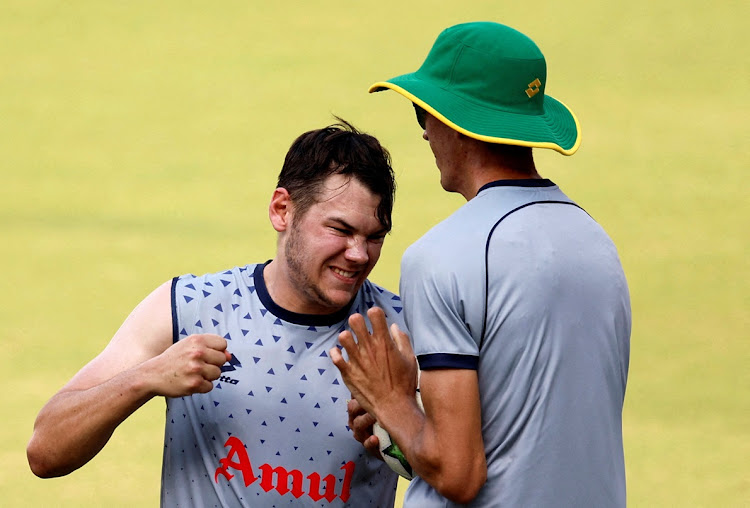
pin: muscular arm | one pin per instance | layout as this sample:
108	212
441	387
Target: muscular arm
444	444
139	363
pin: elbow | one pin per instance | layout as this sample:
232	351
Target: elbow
37	463
40	461
462	482
463	490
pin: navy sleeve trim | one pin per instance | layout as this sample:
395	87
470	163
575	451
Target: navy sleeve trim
175	333
447	361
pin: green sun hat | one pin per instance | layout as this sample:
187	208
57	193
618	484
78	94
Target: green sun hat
487	81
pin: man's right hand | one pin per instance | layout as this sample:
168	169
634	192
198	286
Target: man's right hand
189	366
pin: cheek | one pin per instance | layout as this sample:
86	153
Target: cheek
373	252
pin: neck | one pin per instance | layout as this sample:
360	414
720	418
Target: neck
498	162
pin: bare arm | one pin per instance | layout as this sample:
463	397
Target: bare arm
444	444
138	364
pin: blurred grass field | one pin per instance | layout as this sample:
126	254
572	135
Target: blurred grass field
141	140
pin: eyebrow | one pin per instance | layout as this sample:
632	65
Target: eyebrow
346	225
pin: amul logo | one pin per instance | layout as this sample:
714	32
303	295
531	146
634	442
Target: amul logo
237	460
533	88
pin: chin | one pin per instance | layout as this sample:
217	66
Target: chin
340	299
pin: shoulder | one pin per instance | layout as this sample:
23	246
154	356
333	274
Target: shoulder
210	283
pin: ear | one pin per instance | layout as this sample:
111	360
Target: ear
280	209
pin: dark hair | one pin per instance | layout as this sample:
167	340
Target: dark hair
338	149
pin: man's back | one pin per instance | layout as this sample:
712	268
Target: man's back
532	292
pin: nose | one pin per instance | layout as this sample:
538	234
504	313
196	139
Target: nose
356	251
424	135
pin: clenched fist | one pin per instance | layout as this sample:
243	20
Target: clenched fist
190	366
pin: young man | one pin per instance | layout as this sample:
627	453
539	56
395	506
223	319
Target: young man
517	304
255	409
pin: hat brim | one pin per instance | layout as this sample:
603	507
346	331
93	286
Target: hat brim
557	128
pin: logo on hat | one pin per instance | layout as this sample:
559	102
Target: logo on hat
533	88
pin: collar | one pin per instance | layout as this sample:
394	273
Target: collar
523	182
288	315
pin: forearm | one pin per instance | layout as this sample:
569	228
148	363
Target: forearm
444	443
76	424
455	472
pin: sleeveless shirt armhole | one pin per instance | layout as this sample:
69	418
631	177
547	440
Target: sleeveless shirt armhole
447	361
175	335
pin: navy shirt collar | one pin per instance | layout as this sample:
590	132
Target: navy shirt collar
524	182
288	315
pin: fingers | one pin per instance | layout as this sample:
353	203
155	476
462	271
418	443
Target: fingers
346	339
210	340
402	340
379	324
372	445
359	328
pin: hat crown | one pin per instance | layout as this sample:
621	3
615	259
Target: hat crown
489	64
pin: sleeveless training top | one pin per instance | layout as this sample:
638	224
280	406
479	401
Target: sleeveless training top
273	431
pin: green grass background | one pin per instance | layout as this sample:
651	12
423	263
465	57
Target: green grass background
141	140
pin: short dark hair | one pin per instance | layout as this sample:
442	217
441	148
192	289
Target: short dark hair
338	149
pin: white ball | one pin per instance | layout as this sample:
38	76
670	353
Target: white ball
390	451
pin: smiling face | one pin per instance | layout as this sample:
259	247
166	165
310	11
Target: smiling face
324	256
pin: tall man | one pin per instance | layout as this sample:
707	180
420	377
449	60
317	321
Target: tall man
255	410
517	304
